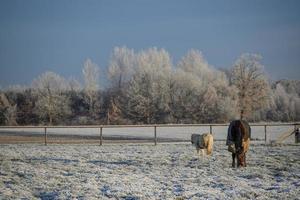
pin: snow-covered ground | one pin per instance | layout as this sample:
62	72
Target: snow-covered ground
145	171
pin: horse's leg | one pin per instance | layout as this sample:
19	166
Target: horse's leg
202	155
198	154
202	151
241	159
245	160
233	159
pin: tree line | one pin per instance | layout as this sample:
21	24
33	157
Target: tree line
145	87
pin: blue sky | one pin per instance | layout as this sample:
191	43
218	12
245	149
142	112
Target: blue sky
58	35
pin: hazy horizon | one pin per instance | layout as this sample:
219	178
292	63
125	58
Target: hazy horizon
38	36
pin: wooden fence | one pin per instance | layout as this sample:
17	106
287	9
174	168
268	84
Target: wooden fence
101	128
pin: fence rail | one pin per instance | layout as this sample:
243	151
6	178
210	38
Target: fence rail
151	125
154	126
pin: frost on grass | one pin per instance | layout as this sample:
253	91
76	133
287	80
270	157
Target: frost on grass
166	171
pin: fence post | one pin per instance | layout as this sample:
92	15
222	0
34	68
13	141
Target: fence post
155	136
101	138
210	129
265	134
296	136
45	129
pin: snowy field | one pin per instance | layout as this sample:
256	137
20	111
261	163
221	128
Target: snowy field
145	171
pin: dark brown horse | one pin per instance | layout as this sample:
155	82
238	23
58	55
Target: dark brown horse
238	140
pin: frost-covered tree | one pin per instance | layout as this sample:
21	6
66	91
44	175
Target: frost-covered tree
11	115
194	63
52	104
8	112
91	87
251	84
285	105
292	88
184	96
74	85
121	66
120	70
208	94
148	90
287	100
